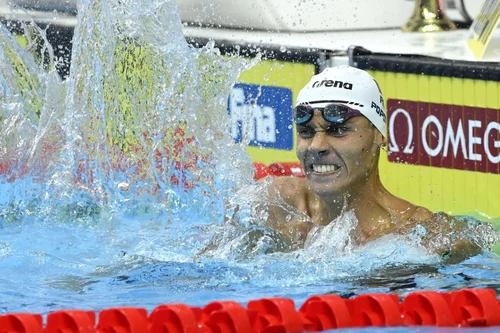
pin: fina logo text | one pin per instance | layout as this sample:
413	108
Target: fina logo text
334	84
261	115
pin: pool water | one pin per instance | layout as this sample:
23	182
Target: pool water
140	261
117	180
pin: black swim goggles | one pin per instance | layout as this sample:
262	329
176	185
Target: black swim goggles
333	113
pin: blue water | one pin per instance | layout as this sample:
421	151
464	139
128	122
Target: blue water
142	261
89	224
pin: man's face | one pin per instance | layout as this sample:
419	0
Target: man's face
337	159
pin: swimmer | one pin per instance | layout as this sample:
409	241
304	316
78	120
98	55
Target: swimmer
341	127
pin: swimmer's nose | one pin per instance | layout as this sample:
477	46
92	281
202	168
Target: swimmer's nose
319	144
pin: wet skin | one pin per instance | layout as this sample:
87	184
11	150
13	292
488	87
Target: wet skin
341	166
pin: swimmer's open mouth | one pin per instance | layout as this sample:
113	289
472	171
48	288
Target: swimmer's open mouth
325	168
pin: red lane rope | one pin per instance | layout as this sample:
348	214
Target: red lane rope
461	308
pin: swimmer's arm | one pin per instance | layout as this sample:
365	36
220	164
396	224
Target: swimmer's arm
459	251
442	225
294	230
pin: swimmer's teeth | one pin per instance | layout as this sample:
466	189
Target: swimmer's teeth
324	168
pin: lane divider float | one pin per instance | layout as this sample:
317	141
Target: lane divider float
461	308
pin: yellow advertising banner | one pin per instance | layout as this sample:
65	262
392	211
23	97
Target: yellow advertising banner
444	142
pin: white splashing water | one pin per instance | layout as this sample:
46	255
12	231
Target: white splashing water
141	118
329	250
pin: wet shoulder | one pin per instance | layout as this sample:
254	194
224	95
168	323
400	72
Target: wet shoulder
422	215
294	190
434	223
445	235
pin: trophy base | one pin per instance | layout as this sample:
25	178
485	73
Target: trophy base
426	25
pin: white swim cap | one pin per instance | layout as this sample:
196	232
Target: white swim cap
348	86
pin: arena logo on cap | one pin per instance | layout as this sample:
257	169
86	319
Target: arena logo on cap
444	135
262	115
333	84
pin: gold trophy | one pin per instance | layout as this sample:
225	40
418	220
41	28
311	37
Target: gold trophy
428	16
